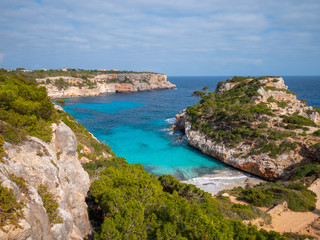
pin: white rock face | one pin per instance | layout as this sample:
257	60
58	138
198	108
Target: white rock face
37	163
125	82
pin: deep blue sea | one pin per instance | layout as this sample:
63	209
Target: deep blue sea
136	125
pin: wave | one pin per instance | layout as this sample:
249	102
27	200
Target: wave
217	178
224	180
170	120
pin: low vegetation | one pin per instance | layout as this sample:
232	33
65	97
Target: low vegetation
50	204
270	194
76	73
133	204
25	109
306	173
299	120
2	152
85	138
20	183
232	116
10	208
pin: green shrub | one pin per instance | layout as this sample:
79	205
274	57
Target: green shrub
128	196
296	236
26	108
50	204
2	151
316	133
282	104
298	197
112	80
61	84
306	172
299	120
61	102
10	208
316	109
20	182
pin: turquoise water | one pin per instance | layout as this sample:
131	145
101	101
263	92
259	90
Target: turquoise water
136	125
157	153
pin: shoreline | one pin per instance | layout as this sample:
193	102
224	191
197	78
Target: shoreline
224	180
109	93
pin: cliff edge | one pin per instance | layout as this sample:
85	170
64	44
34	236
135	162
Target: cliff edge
68	87
253	124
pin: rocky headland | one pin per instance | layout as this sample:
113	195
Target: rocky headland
69	87
253	124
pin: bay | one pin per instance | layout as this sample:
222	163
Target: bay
135	125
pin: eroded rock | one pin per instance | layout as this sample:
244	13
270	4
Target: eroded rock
37	163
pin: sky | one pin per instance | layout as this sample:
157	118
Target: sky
174	37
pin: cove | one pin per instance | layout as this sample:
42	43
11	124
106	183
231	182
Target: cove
135	125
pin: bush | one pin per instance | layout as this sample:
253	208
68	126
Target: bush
26	108
10	208
306	172
296	236
2	152
20	182
317	133
299	120
50	204
298	197
61	102
128	196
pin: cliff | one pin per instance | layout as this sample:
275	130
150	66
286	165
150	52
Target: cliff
68	87
256	125
43	185
55	168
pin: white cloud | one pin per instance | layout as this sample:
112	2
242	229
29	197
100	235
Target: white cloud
142	33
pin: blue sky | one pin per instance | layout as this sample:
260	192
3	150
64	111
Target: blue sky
180	37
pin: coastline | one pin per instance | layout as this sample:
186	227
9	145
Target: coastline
73	87
224	180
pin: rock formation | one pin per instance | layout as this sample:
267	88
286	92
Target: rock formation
104	83
268	144
56	166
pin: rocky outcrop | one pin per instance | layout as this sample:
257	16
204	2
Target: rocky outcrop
104	83
56	166
262	164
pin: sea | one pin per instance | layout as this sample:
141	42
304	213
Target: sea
136	126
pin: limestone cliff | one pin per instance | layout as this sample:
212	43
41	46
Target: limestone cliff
56	166
256	125
68	87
